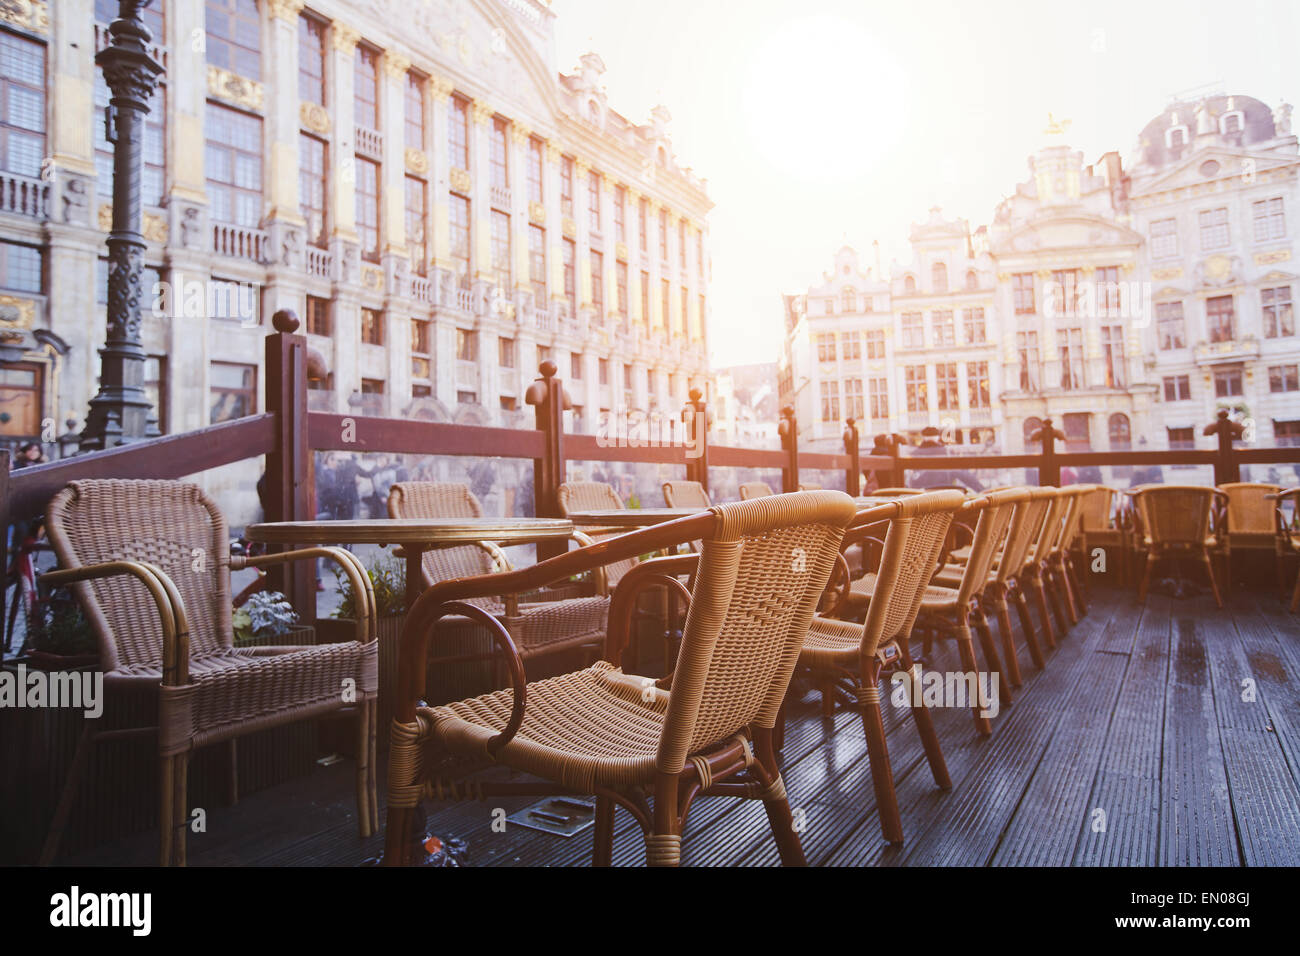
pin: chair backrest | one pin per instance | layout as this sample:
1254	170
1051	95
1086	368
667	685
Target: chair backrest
754	489
908	560
996	510
1175	514
1248	506
1072	522
686	494
172	525
441	499
809	486
1022	534
760	575
588	496
1050	531
1096	509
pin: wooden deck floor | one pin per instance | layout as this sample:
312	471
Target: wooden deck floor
1177	725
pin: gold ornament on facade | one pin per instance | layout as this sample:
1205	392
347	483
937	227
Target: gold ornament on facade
520	133
620	251
459	180
441	88
552	153
235	88
396	65
285	9
581	168
154	228
416	160
105	216
16	313
1218	267
1128	268
1268	258
26	15
314	117
373	279
536	212
1175	273
482	112
343	37
570	228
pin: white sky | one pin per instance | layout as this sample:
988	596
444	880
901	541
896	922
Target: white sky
817	121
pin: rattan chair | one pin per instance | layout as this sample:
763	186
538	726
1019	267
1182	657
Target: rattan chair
847	660
1247	521
541	627
1287	541
1102	525
595	496
686	494
1176	524
762	568
1063	569
149	562
896	492
754	489
1034	575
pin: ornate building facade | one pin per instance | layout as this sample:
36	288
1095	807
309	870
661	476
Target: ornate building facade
440	205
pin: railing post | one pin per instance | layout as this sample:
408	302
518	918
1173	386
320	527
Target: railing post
1049	470
788	429
695	414
549	400
290	490
898	474
1226	468
853	475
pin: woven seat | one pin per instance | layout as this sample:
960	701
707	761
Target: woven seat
1176	523
537	628
686	494
759	574
149	562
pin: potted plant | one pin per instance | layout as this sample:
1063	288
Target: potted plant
61	638
267	617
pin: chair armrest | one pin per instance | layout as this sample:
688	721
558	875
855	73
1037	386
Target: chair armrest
362	590
838	595
661	571
166	598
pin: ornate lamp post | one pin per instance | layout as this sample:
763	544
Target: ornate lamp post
121	411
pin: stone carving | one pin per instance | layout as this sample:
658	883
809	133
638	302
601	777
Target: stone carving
290	247
191	228
26	15
314	116
76	201
235	88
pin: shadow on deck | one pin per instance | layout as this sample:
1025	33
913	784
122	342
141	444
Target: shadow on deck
1156	735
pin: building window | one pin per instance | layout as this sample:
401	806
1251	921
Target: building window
878	397
1283	378
372	327
875	344
620	214
1112	354
939	277
913	331
466	345
972	322
566	186
943	328
1269	219
977	384
1106	284
367	193
1181	439
233	37
627	376
1279	320
311	60
535	166
1119	432
593	199
575	365
1286	434
598	285
1219	318
537	264
1178	388
620	289
828	306
645	298
232	391
313	186
506	353
972	281
602	371
458	133
569	250
909	285
1022	293
1030	361
420	337
365	109
1170	328
642	226
466	398
233	166
663	235
664	307
849	300
21	268
318	316
413	110
830	401
1214	228
853	398
945	385
918	399
501	272
1071	346
851	344
416	217
1164	238
826	347
1077	431
1065	291
1227	383
498	165
459	233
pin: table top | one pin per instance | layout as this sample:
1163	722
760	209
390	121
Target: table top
630	517
410	531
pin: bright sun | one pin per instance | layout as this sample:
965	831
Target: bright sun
823	101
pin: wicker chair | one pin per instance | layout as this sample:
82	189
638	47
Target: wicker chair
847	659
1287	540
149	562
1102	526
1247	521
545	627
896	492
1062	567
686	494
754	489
760	573
1034	575
1176	523
595	496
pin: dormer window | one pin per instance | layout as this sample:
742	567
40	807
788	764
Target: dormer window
850	300
1176	137
939	277
1232	125
909	285
972	281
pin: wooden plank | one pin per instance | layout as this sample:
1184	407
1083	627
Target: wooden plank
361	433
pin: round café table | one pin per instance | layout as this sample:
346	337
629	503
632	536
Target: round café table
415	535
615	518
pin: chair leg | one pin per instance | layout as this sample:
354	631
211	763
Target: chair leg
991	657
1078	585
1008	638
602	851
1295	594
1044	616
775	801
966	648
826	687
166	809
374	766
1027	625
232	773
925	727
1209	570
398	839
1056	595
882	775
663	842
363	768
85	744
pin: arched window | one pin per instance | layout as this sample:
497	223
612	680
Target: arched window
909	285
939	277
1232	122
972	281
849	298
1031	426
1121	433
1176	137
